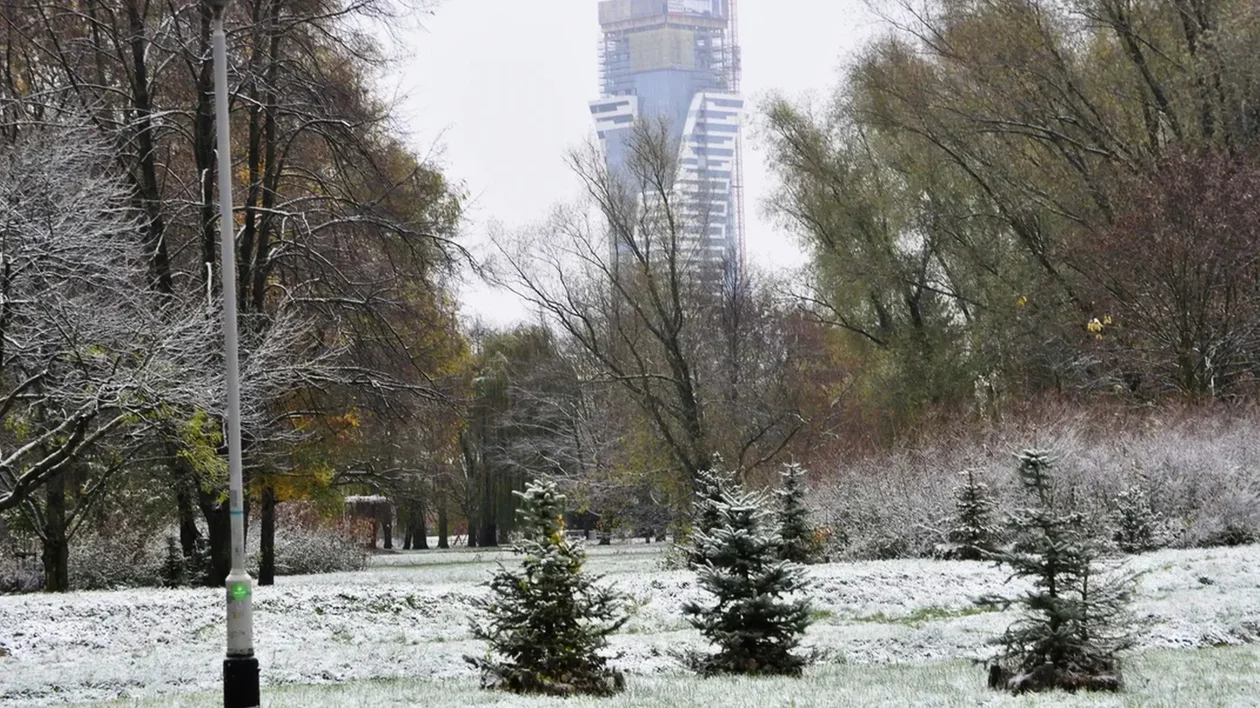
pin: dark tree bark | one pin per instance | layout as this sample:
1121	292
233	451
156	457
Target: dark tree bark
267	542
406	519
488	536
442	522
189	534
56	552
150	188
422	528
218	536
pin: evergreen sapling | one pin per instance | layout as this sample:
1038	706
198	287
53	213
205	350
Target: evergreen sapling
174	570
973	535
796	534
548	619
1075	617
711	485
1136	522
754	624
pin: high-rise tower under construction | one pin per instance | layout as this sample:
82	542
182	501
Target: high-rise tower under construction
679	61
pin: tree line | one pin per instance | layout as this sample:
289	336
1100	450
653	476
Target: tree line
1068	212
345	247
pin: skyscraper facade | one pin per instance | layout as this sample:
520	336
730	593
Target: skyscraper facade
677	61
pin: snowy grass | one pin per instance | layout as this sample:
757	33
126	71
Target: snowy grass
396	632
1158	679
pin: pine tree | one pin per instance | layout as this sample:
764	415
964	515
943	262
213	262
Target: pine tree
752	622
174	570
711	485
1074	619
548	619
973	534
796	533
1136	523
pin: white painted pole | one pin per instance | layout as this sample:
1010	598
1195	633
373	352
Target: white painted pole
240	668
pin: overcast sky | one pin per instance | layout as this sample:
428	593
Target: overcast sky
501	87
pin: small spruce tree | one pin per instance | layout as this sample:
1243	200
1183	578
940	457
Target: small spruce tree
1075	618
548	619
755	626
796	533
973	534
710	486
174	570
1136	522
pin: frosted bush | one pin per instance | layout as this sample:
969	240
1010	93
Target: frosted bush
124	558
1137	525
306	544
325	550
1201	475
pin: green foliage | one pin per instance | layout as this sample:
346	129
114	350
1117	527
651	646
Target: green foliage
798	542
1075	618
973	532
548	619
752	620
199	440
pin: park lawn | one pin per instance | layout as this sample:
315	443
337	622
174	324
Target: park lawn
1177	678
899	632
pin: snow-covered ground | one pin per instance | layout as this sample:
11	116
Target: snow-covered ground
402	627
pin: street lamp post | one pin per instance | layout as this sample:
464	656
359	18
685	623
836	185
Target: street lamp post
240	668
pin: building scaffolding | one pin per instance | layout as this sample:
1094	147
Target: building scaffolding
680	60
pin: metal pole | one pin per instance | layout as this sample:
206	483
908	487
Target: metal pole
240	668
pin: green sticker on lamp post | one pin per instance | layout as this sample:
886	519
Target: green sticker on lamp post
239	591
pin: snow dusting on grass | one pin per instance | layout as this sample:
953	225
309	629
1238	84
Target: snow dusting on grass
1159	679
395	634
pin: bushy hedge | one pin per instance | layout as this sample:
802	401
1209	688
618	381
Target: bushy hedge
306	544
1200	474
125	557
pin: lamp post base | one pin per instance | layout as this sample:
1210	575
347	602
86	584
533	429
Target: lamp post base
240	683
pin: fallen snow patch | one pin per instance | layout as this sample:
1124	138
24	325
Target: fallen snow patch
409	620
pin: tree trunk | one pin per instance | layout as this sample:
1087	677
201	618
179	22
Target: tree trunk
388	529
188	532
219	528
422	528
406	519
376	529
441	522
267	541
489	535
56	553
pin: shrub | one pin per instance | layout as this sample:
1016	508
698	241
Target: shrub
126	556
307	544
1200	473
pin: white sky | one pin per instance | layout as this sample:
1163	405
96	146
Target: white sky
501	88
